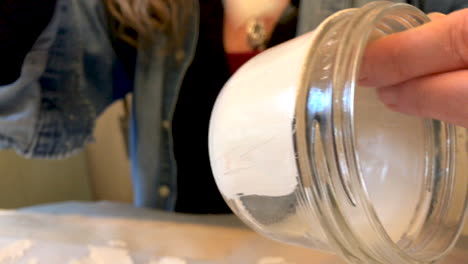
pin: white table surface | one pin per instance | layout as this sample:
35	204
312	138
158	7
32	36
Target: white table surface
83	233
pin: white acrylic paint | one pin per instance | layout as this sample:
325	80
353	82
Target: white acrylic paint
244	160
391	150
251	142
33	261
273	260
252	145
105	255
117	243
15	251
169	260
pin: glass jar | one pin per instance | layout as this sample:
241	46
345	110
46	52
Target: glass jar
303	155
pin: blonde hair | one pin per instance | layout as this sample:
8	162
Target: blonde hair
136	21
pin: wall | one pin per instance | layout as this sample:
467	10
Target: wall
26	182
107	160
101	172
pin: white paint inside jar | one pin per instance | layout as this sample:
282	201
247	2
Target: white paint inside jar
252	149
251	135
390	147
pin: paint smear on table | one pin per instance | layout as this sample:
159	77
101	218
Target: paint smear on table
33	261
105	255
273	260
117	243
169	260
15	250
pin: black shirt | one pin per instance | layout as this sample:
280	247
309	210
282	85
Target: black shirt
196	188
209	71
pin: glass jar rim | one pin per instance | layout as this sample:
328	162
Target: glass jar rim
354	35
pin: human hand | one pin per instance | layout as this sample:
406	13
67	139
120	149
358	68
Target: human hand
423	71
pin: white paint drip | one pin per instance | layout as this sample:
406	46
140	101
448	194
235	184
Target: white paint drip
33	261
169	260
104	255
117	243
273	260
251	137
6	212
15	250
83	261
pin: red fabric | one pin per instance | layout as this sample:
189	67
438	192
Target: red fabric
236	60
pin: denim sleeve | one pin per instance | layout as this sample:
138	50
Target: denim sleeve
65	82
19	101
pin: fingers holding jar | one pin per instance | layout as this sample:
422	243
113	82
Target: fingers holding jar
423	71
442	96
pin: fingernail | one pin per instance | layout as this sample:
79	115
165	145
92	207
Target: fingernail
388	95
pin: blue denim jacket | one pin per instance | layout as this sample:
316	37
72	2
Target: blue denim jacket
67	81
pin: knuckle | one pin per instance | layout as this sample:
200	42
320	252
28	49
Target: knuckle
399	68
420	105
458	38
415	99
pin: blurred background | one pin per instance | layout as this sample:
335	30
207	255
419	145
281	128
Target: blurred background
100	172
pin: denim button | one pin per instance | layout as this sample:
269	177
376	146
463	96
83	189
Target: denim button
164	191
166	124
180	55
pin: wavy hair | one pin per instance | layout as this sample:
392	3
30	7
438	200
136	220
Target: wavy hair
136	21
